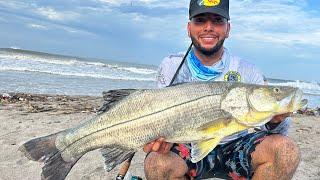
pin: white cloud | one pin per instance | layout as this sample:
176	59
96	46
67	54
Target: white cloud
53	14
76	31
149	3
13	4
149	35
37	26
283	22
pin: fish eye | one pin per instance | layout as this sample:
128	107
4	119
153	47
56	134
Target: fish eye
276	90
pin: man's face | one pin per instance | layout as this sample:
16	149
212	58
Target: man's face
208	32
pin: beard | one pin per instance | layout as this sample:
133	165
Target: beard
206	51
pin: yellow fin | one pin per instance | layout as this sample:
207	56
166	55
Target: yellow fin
200	149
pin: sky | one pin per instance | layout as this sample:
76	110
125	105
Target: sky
281	37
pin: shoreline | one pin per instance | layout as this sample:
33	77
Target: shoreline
25	116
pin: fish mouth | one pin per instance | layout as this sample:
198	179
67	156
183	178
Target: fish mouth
293	102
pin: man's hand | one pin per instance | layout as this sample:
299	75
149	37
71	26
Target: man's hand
279	118
158	145
276	120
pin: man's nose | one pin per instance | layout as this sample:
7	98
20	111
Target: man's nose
209	26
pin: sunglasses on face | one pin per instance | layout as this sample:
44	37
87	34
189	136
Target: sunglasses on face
201	20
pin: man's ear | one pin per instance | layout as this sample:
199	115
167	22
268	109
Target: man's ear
228	30
188	29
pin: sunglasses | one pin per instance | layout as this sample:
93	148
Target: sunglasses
216	20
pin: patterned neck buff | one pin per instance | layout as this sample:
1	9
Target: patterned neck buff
206	73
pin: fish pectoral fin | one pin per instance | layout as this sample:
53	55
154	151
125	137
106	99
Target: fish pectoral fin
115	155
200	149
113	96
255	118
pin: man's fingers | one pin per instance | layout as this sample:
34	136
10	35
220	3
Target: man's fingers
156	146
162	147
279	118
148	147
167	147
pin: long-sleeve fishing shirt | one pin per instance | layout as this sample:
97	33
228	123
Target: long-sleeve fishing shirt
236	69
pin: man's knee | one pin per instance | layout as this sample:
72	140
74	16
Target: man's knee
279	150
164	166
285	149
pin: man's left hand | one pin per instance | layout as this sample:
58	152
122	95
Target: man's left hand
279	118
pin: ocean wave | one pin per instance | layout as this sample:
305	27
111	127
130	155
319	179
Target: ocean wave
74	62
312	88
78	74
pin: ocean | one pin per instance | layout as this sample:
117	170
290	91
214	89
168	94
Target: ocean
42	73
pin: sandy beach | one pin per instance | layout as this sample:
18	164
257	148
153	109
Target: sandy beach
28	116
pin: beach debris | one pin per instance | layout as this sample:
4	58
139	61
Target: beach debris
36	103
307	129
200	113
310	111
5	96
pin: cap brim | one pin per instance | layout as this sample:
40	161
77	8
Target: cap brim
213	10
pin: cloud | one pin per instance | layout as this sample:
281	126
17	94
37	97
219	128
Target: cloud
76	31
53	14
13	4
3	20
37	26
283	22
148	3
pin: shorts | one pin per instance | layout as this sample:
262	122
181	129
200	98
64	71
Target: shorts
227	161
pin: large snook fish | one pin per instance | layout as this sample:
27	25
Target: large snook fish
197	113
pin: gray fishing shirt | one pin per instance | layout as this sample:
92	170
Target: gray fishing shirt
236	70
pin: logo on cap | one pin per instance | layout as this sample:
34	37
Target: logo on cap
208	3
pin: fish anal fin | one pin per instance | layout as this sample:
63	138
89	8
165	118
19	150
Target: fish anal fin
115	155
201	149
113	96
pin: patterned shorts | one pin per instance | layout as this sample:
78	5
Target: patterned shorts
227	161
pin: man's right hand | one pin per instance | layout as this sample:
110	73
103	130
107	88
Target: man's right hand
159	146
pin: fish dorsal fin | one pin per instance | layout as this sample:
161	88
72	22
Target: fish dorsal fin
200	149
113	96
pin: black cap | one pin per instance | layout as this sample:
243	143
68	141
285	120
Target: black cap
220	7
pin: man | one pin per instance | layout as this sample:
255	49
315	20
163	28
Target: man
266	154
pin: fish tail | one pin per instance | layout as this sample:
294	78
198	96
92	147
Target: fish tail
40	149
43	149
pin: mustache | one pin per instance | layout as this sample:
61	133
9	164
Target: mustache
205	51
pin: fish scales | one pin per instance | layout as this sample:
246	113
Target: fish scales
167	119
133	108
198	113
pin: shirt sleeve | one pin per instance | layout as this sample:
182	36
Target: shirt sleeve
251	73
282	128
162	80
167	69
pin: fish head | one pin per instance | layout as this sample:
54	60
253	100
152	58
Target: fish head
254	105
